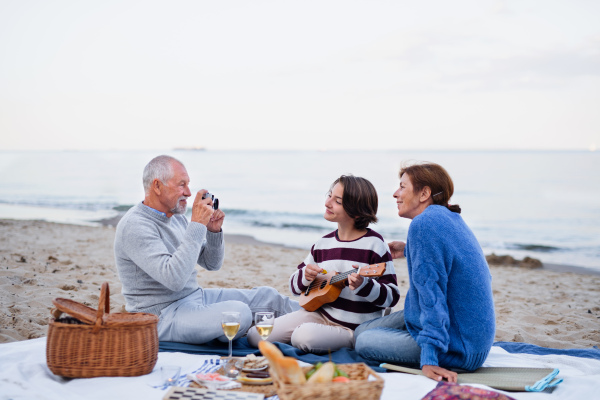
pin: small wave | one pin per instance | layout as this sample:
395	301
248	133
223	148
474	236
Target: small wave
122	207
63	204
533	247
279	220
304	227
282	214
231	211
291	226
305	222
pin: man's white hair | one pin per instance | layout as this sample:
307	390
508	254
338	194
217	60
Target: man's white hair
161	168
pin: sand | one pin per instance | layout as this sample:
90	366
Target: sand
40	261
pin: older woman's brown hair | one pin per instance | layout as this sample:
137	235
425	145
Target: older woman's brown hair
359	199
436	178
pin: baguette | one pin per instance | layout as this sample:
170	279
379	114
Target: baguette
290	372
272	354
270	351
286	368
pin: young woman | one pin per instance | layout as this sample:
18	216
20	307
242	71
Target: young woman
352	204
448	318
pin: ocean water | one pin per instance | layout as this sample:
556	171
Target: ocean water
544	205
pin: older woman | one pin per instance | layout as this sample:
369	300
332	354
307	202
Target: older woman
448	318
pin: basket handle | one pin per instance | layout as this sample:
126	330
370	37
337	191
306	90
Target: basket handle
103	306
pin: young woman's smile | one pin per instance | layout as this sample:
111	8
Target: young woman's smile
334	210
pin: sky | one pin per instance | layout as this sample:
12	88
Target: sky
435	75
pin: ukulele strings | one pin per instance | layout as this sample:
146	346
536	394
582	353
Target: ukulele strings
343	275
339	277
318	282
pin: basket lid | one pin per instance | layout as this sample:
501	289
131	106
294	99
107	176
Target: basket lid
85	313
102	315
77	310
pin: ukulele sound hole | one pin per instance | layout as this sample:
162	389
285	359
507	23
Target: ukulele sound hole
323	284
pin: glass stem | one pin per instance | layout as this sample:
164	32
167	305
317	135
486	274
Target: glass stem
230	347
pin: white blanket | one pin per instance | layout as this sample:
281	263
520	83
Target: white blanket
24	375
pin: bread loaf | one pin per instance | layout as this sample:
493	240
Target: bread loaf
270	351
286	368
290	372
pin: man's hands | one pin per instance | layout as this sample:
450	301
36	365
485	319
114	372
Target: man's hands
438	373
397	249
216	222
202	212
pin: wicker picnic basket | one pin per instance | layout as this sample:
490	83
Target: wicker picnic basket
364	384
92	343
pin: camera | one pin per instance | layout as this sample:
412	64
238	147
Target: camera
213	198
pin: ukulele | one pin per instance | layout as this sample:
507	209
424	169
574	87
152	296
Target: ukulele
326	288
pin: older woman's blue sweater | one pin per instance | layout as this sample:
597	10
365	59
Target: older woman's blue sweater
449	309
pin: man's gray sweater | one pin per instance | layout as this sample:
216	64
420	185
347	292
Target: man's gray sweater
156	257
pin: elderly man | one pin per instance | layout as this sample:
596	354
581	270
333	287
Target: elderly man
156	251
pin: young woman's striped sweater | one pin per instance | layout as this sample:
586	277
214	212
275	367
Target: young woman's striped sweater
368	301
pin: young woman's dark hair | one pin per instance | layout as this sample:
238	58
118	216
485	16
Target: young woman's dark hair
359	200
436	178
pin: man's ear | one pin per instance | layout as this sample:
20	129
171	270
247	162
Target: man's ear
156	186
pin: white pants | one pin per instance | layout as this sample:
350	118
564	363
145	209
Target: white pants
196	318
308	331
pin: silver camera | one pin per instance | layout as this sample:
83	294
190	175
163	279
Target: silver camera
213	198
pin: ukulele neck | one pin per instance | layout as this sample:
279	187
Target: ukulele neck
343	275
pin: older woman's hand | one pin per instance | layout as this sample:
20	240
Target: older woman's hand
397	249
438	373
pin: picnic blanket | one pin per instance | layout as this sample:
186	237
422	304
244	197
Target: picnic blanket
242	348
24	375
516	347
512	379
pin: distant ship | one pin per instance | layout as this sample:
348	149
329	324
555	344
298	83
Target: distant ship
190	148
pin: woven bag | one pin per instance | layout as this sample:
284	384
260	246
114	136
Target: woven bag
100	343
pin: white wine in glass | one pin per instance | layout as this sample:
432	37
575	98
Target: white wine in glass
230	322
264	321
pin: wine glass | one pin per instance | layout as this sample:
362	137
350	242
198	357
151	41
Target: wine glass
230	322
263	321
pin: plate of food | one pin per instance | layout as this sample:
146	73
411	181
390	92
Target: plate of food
255	378
210	380
252	363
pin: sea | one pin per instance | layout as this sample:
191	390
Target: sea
539	204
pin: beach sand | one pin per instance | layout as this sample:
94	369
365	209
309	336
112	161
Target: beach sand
41	261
